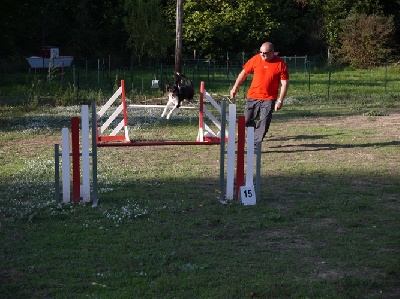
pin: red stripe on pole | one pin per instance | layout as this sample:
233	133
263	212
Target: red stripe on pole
95	123
240	154
76	175
201	107
111	138
124	103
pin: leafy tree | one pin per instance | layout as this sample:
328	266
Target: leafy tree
392	8
148	35
331	14
21	27
365	40
297	28
79	27
96	28
84	29
214	27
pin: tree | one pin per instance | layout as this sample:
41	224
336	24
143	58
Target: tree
332	13
178	43
94	29
146	28
297	28
213	27
365	40
25	25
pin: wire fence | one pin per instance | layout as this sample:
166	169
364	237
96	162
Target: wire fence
309	76
104	72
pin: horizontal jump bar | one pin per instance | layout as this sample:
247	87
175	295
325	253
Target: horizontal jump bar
70	154
157	143
160	106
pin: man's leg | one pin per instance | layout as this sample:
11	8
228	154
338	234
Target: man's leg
251	112
262	126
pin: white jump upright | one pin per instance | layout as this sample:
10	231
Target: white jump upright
85	188
66	174
250	157
245	191
123	124
84	168
231	153
205	132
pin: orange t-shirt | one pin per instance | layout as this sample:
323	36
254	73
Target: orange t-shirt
266	78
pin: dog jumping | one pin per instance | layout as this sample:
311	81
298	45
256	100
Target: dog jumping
177	93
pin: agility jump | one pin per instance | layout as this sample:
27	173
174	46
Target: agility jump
244	191
205	136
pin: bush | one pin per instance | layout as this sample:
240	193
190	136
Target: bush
366	40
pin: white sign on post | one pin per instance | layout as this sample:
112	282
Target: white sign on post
154	83
247	195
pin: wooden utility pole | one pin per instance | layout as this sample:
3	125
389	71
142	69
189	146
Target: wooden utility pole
178	43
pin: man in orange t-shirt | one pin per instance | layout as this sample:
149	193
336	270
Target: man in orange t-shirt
263	97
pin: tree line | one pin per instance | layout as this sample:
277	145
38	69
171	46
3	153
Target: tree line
361	33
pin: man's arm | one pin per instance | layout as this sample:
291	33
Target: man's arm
283	91
282	94
240	78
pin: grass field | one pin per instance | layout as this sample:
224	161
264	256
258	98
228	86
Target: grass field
326	224
75	86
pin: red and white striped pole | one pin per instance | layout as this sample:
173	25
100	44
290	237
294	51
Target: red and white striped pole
200	136
240	154
76	175
125	110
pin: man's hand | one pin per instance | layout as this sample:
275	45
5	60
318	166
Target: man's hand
278	105
233	92
241	77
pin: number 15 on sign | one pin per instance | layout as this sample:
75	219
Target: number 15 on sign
247	195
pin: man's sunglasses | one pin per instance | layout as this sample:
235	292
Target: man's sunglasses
265	53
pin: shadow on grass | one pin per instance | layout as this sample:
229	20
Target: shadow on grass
311	112
317	228
15	120
313	147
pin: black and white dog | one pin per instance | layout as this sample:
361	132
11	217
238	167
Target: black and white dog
177	93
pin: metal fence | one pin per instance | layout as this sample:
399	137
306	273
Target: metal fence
308	76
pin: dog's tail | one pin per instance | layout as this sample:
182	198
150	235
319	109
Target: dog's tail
185	81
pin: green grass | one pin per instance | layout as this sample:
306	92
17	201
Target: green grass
326	223
324	85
